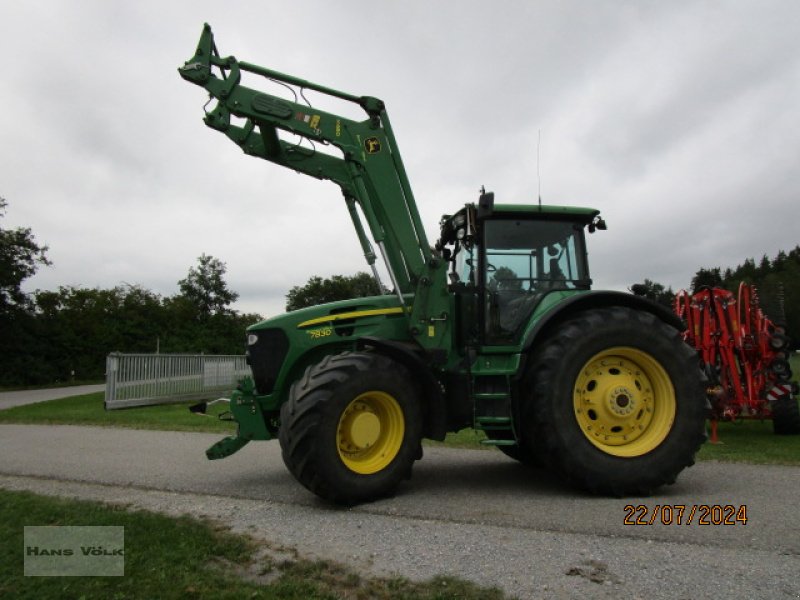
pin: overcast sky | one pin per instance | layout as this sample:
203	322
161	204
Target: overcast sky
679	120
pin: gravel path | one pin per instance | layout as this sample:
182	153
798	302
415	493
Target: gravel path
468	513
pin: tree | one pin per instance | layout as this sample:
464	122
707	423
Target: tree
777	282
205	289
746	271
706	278
55	336
654	291
505	278
781	260
764	267
20	257
338	287
20	346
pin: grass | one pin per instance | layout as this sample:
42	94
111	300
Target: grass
88	410
188	558
466	438
752	442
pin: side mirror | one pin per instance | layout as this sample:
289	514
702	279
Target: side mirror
596	224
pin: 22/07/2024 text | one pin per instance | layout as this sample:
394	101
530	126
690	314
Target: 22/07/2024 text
685	514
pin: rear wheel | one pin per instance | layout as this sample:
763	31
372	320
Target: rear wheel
615	402
351	428
786	416
778	341
521	451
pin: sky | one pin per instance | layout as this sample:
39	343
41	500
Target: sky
679	120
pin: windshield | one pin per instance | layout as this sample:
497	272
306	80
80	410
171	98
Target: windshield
523	260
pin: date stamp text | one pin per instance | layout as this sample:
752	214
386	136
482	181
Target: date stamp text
685	514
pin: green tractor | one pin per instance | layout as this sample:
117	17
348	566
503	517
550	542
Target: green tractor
495	327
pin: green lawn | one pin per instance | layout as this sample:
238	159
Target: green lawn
753	442
187	558
88	410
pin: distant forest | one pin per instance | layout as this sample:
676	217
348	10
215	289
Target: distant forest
64	335
777	281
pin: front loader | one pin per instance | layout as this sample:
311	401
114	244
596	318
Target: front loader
494	327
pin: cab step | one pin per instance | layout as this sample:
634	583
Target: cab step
492	396
489	423
498	442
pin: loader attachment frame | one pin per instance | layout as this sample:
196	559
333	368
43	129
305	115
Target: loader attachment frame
370	171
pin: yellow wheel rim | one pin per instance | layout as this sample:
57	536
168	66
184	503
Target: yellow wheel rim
624	402
370	432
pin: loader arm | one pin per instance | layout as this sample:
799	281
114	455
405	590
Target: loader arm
369	172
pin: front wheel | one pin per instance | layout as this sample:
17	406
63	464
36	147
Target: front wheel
615	402
351	428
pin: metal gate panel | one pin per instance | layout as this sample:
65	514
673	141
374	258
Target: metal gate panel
150	379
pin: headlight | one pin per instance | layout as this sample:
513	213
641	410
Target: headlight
252	339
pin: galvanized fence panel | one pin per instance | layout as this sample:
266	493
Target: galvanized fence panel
148	379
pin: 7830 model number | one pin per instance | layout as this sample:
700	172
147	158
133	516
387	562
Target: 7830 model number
322	332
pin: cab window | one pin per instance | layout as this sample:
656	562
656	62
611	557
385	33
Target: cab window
523	260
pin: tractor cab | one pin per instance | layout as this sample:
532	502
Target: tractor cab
510	257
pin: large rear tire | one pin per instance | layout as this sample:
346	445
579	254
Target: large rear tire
521	452
351	427
615	402
786	416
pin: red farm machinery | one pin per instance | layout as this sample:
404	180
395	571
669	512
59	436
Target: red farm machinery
744	355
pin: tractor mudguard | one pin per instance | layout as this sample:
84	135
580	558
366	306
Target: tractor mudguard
597	299
434	405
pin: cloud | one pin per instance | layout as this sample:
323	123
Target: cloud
678	120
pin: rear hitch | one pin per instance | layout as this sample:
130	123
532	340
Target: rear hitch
201	407
246	412
226	446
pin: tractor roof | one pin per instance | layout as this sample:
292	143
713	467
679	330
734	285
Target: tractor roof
578	213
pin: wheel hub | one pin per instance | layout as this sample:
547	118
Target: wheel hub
624	402
364	429
370	432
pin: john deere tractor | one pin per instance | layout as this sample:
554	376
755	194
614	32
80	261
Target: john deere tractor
495	327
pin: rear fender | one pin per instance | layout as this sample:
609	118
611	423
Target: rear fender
591	300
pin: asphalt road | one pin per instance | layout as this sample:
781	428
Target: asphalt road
469	513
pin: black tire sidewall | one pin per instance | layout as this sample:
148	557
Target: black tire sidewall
315	459
786	416
577	456
328	457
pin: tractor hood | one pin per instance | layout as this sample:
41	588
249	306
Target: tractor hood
279	349
333	314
